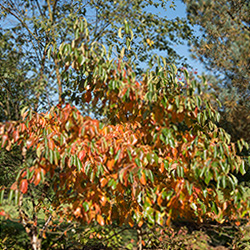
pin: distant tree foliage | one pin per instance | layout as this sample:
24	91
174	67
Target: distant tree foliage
224	48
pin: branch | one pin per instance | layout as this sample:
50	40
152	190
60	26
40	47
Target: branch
45	226
21	21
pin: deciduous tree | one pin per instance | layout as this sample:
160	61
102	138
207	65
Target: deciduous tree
159	158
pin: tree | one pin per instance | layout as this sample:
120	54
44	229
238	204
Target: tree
159	158
224	49
40	24
16	87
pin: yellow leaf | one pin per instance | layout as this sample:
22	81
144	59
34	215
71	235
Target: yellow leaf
149	42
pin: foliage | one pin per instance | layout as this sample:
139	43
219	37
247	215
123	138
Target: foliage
16	90
161	157
158	157
40	24
224	48
13	236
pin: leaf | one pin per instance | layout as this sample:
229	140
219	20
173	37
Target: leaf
78	165
30	142
24	186
37	178
110	164
143	178
117	155
14	186
11	195
16	135
1	196
81	154
100	220
51	156
85	206
4	140
120	33
103	182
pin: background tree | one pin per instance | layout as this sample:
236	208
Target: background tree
224	49
16	84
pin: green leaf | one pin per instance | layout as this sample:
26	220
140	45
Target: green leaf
242	167
16	197
138	162
126	27
51	156
150	175
1	196
78	164
117	155
85	206
11	195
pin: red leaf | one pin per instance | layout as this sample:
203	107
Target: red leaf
2	213
24	186
24	174
81	154
16	135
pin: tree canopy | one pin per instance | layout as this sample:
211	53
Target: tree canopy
159	158
141	147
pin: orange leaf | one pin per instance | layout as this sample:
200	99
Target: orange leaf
51	144
159	200
24	186
14	186
140	223
110	164
174	152
237	223
103	182
195	112
100	220
103	200
143	179
162	167
37	179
